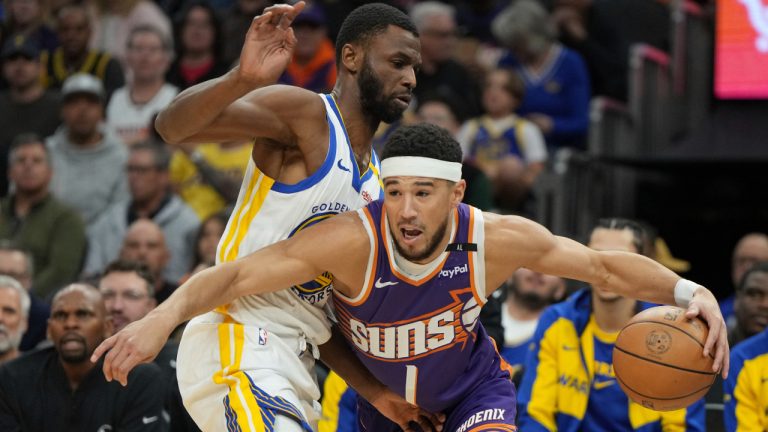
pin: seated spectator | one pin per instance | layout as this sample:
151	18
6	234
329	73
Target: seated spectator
745	395
26	19
115	20
528	293
313	65
198	47
749	250
132	107
150	197
17	264
144	243
557	88
207	241
59	388
25	107
750	306
14	311
510	150
83	144
235	24
564	391
36	221
74	55
208	178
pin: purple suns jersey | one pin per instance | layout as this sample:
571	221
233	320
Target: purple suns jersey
419	334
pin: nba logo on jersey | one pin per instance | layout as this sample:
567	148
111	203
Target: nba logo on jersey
262	336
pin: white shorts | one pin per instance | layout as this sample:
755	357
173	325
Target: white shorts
237	377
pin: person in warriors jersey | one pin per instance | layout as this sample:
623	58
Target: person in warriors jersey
410	275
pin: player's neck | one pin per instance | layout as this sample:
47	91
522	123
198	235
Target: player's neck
360	128
612	315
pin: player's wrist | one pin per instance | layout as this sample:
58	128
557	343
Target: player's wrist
685	291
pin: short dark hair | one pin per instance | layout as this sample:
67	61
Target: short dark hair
11	246
515	85
25	139
127	266
368	21
425	140
761	267
160	153
620	224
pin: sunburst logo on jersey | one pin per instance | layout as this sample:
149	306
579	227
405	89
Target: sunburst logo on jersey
318	289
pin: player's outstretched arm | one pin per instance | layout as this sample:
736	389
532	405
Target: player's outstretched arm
334	245
528	244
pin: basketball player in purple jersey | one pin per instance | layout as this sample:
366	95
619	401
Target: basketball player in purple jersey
410	275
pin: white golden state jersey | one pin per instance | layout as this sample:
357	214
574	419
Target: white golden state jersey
268	211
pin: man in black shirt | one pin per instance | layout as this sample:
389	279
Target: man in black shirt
59	389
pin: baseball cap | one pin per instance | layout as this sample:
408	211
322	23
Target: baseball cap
312	14
82	83
19	45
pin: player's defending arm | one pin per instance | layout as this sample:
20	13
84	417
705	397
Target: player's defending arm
528	244
228	109
339	245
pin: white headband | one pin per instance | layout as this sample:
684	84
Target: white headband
416	166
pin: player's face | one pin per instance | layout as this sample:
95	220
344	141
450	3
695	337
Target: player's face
12	323
126	297
419	211
388	74
604	239
77	325
751	305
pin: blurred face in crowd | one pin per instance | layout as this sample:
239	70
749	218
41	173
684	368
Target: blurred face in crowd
439	114
604	239
78	323
212	230
21	72
145	180
252	7
309	36
13	323
750	250
126	297
535	290
147	57
438	37
497	100
14	263
82	114
24	12
144	242
30	169
198	33
74	31
751	304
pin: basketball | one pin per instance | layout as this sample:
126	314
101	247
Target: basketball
658	359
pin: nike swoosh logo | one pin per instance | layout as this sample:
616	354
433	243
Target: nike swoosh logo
338	164
599	385
569	348
148	420
380	284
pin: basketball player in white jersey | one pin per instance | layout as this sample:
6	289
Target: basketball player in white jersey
248	365
414	239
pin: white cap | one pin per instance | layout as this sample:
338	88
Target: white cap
82	83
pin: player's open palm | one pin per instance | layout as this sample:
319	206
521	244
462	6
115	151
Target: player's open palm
407	415
269	44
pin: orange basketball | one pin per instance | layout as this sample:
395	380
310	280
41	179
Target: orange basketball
658	359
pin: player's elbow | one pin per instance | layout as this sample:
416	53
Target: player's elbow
165	128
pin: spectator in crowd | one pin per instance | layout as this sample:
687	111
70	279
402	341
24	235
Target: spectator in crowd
207	241
26	106
439	73
208	178
36	221
59	388
558	390
148	55
476	16
144	242
313	65
528	293
510	150
750	306
115	20
150	197
14	311
73	56
745	395
198	47
26	19
235	24
17	264
83	144
557	88
752	248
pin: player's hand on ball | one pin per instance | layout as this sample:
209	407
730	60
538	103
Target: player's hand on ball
406	414
139	342
705	305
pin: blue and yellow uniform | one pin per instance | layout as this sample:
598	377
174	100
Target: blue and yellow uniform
746	389
568	381
339	406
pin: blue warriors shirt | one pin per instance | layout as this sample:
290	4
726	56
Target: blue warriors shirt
419	334
746	389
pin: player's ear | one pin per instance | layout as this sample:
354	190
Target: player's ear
457	194
352	57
